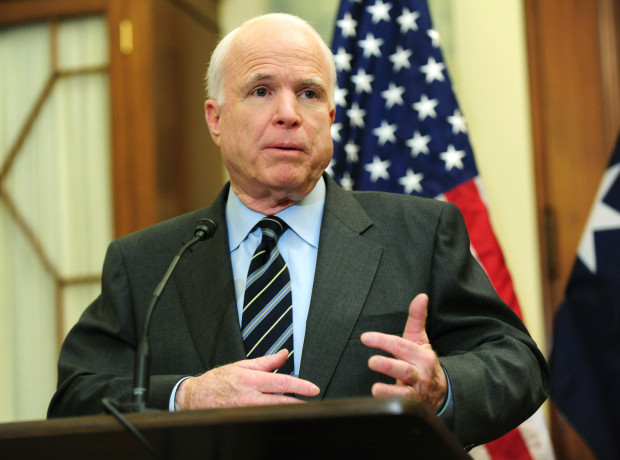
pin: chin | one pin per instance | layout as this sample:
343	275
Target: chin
294	177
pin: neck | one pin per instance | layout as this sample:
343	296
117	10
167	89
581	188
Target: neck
271	202
269	205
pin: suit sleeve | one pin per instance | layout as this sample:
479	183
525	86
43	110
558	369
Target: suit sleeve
498	375
97	357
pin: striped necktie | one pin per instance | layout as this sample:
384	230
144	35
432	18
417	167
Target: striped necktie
267	319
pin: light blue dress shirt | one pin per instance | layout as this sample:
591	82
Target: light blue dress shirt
298	246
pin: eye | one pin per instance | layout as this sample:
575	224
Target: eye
260	92
310	94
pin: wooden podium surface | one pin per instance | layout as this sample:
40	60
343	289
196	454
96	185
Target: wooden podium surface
350	428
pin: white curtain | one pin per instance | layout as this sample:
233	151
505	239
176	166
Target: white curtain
55	206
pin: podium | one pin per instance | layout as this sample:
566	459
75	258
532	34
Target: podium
350	428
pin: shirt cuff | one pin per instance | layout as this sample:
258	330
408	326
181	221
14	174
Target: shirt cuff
446	414
171	405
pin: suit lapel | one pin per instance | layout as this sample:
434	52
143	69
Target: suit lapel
206	290
346	266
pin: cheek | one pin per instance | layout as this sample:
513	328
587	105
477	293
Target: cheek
237	140
324	145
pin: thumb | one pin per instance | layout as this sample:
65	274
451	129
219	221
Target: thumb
266	363
416	321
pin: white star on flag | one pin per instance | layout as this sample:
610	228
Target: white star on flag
340	96
371	46
400	58
342	59
356	115
352	150
380	11
385	133
411	182
335	131
347	24
407	20
393	95
378	169
347	182
458	122
426	107
602	217
433	70
453	158
418	144
434	36
362	81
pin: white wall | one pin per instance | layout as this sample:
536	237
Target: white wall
490	69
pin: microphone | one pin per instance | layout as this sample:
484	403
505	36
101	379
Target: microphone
205	229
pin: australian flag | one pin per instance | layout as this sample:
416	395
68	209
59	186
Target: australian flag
399	128
585	360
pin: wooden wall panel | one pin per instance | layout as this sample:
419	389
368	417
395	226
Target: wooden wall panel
190	172
21	11
165	161
133	123
571	147
573	58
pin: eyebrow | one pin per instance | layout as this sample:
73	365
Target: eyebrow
254	78
258	77
314	82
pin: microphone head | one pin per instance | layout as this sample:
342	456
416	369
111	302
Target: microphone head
205	228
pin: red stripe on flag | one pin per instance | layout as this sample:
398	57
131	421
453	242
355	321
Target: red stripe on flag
467	197
511	446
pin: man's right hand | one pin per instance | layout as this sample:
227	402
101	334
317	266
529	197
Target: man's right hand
250	382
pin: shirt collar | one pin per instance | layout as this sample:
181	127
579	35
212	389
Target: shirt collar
304	217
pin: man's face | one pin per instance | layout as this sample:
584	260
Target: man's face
273	128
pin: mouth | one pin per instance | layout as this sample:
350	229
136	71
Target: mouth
286	147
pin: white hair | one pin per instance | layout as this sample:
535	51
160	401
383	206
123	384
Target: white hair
214	79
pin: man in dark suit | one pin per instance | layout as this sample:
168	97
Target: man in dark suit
386	296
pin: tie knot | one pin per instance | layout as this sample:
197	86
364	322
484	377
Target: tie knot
272	227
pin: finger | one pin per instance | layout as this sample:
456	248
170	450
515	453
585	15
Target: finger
265	381
384	390
396	346
395	368
267	399
276	383
415	327
266	363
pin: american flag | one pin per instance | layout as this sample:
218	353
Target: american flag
399	128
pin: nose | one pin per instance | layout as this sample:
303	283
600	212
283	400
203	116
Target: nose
286	112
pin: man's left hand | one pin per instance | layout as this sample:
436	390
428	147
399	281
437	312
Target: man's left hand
414	365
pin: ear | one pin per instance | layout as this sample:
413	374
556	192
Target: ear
332	116
212	116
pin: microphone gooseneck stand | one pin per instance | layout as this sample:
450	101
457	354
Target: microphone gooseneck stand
205	229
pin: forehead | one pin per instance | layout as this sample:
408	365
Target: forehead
276	49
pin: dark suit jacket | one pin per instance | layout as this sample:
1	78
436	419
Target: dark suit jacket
376	252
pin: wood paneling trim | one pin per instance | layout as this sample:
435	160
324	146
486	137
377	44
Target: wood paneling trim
20	11
132	109
202	11
609	19
535	79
